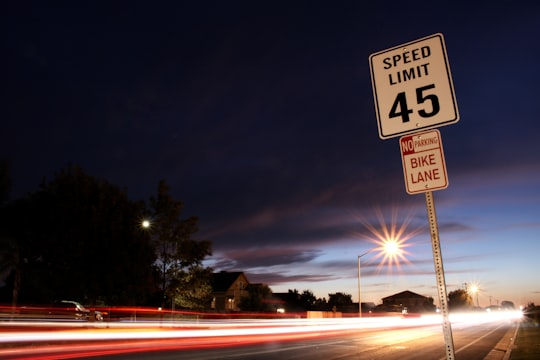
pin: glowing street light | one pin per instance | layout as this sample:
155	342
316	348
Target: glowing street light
475	290
145	224
391	250
390	243
391	247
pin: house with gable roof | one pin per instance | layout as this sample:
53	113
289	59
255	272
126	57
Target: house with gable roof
228	288
410	300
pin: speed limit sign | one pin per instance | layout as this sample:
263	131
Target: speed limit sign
412	87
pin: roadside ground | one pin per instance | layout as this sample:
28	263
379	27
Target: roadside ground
527	342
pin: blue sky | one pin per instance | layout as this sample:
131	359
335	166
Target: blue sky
260	116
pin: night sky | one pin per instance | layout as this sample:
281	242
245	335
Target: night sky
260	116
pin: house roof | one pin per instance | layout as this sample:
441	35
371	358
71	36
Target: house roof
223	280
405	295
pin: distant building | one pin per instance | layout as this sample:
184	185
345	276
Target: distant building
413	302
227	289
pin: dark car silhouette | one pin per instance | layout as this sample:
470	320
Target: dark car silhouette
67	309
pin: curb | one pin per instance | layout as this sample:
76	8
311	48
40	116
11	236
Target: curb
504	347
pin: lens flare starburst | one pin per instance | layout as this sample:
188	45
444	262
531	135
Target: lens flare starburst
390	240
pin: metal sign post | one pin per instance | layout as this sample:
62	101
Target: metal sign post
414	92
439	273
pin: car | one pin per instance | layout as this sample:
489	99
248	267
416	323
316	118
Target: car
68	309
493	308
60	310
507	305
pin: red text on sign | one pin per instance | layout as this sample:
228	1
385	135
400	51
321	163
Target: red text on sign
426	175
424	160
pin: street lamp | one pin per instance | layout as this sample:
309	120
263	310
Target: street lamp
475	290
360	301
390	249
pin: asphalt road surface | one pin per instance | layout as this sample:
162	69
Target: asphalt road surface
408	340
403	344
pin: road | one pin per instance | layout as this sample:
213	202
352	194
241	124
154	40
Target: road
392	338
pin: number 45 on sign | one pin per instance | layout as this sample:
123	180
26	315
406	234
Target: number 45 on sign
412	87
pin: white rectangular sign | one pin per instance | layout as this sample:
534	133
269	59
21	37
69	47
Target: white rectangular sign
412	87
422	156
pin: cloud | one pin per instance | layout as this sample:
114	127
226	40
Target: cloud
267	257
275	279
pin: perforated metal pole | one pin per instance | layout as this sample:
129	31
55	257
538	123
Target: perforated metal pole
439	272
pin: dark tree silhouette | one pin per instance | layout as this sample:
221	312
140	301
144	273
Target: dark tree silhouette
179	256
340	301
459	300
259	299
307	299
78	237
5	182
